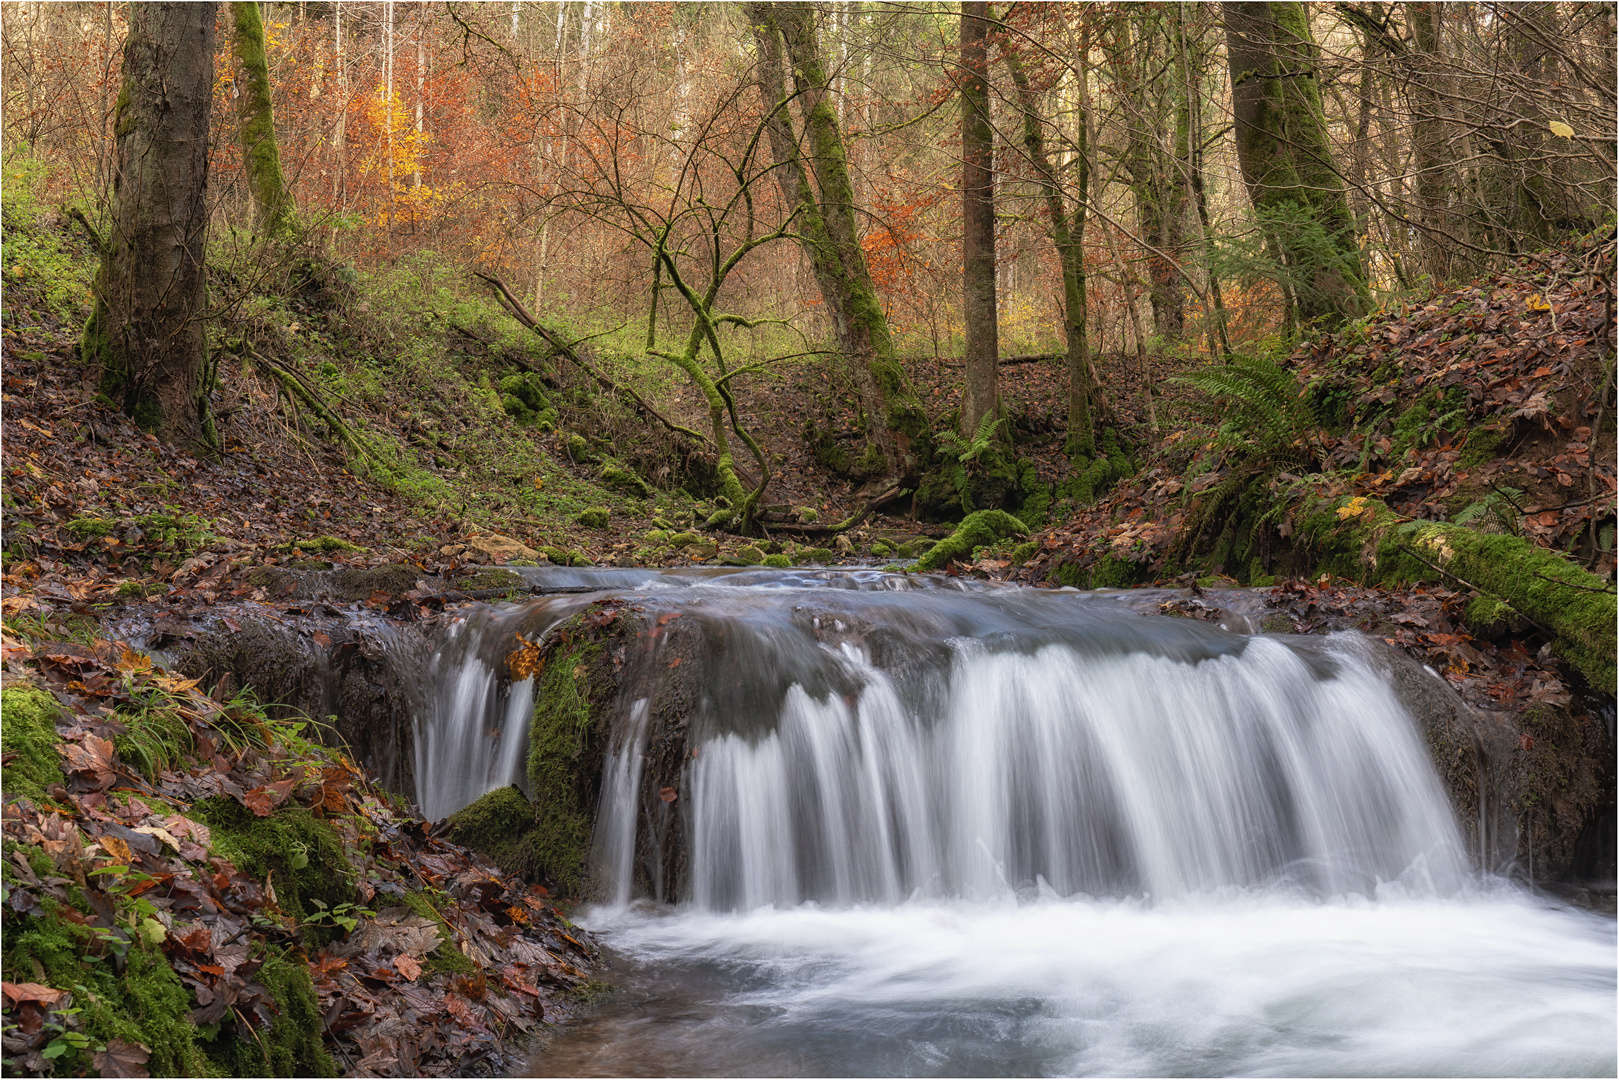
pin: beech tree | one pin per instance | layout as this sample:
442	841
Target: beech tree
146	332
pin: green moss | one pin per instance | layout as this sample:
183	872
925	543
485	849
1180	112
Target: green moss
29	731
146	1003
979	529
292	1044
1024	552
594	517
485	580
814	556
780	562
501	825
300	850
88	528
615	476
749	555
446	957
558	736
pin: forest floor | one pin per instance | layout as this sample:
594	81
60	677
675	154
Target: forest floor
1484	403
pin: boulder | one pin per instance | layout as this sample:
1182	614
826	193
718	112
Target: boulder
500	548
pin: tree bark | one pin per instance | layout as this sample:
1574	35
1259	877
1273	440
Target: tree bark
255	130
982	347
1286	159
785	34
1068	236
1428	136
146	333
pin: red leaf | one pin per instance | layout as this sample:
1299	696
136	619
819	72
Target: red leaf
258	801
407	967
1526	741
668	794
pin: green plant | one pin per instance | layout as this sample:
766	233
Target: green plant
346	915
1266	411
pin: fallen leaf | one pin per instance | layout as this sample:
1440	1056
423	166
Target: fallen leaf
123	1059
17	993
407	967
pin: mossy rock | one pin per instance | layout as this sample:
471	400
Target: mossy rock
502	826
779	561
814	556
485	580
683	539
579	449
359	584
616	476
1024	552
594	517
29	731
880	547
656	536
748	555
979	529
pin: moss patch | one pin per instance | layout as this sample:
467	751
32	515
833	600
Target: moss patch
302	853
557	740
979	529
502	826
146	1003
29	731
446	957
292	1045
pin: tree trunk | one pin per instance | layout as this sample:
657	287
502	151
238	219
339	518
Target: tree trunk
982	347
1428	137
146	333
1286	159
828	224
1068	236
261	158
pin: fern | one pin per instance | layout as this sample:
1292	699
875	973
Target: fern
1264	406
966	451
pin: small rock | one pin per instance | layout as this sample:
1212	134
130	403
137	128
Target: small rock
843	544
499	548
749	555
452	550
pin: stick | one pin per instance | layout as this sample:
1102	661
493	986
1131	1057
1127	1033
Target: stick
518	312
1469	585
1571	585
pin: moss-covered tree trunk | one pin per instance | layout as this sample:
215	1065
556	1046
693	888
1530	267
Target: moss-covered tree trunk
980	397
1068	236
1286	158
255	131
828	227
146	332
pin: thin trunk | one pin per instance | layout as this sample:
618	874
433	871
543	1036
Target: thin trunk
980	396
1424	85
421	90
146	333
1068	236
255	120
1194	107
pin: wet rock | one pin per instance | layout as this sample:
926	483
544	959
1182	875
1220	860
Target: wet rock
499	548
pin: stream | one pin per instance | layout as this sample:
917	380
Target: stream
923	826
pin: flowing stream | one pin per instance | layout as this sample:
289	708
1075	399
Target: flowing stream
938	828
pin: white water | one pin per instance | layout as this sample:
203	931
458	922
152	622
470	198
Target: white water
1099	773
1065	843
1241	983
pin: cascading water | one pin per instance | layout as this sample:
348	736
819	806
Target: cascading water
926	827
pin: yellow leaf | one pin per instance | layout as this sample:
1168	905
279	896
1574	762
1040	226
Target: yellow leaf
1354	508
1560	128
134	661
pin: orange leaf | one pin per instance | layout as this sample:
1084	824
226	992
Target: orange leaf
407	967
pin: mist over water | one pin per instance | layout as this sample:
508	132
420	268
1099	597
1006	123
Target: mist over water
1246	983
989	831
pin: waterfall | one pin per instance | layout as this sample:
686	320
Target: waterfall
1063	770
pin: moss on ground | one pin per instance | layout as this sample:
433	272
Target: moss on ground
298	852
979	529
292	1044
1363	539
145	1003
446	957
29	731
